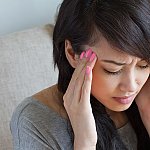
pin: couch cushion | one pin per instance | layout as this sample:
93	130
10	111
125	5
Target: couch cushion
26	68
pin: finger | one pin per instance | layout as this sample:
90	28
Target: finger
86	88
75	74
80	81
82	62
78	87
78	70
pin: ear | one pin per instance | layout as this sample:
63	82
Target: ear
71	56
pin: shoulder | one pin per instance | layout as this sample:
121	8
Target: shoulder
45	106
33	119
53	99
37	113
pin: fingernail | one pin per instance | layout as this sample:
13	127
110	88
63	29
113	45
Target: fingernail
92	57
82	55
88	53
88	69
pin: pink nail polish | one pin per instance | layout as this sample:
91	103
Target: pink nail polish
88	69
82	55
92	57
88	52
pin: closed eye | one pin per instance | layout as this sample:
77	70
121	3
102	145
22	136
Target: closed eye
144	67
113	73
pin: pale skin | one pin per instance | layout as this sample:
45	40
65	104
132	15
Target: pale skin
130	79
77	104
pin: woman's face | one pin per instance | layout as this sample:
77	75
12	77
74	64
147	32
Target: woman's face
117	77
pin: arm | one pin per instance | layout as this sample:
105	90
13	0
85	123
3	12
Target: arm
143	102
28	141
77	104
28	137
83	146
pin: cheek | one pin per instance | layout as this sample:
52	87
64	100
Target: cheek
102	83
146	76
142	77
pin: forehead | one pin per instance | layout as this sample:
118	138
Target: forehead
104	50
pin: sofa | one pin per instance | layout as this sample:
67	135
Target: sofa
26	66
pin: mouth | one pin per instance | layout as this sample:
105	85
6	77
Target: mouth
125	99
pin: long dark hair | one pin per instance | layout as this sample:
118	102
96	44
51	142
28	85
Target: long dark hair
126	25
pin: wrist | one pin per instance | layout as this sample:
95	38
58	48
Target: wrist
145	119
77	147
84	145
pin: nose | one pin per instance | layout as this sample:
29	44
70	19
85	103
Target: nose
129	83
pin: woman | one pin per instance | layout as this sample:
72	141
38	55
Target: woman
101	100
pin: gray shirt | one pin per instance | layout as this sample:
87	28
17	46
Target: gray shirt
34	126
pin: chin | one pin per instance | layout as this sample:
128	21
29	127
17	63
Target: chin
121	108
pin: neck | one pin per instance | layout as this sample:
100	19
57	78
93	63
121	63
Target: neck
119	118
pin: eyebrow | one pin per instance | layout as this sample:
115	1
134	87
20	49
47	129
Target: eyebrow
114	62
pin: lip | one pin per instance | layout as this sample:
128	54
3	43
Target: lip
125	99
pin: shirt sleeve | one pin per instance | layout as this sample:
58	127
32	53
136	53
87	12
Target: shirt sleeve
30	138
